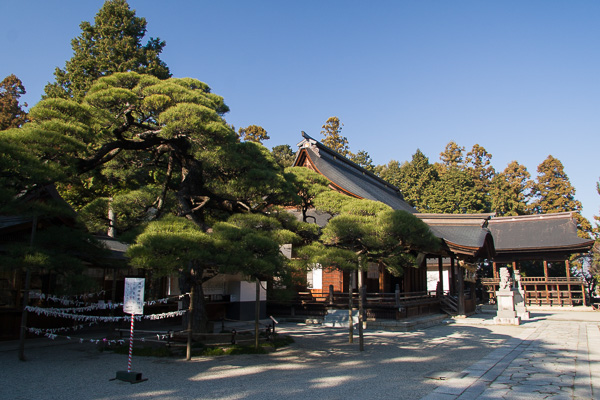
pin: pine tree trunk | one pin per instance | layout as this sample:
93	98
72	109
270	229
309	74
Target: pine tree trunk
189	324
257	314
199	319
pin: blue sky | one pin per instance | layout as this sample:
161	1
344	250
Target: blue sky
520	78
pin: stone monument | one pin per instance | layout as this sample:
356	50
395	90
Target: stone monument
505	296
520	307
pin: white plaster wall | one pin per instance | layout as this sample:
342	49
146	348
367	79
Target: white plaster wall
246	291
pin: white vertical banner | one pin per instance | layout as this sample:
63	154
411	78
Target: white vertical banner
133	301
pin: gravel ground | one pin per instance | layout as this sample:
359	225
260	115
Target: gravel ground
321	364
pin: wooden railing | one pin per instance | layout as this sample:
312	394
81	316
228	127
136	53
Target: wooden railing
573	280
553	291
377	305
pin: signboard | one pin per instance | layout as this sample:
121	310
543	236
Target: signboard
133	302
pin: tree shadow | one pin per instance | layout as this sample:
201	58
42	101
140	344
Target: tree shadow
320	364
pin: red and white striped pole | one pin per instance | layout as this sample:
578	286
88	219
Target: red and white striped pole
130	345
133	304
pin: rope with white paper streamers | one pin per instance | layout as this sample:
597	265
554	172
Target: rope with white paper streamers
49	333
56	312
66	302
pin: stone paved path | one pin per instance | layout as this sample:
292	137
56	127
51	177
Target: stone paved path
550	360
556	355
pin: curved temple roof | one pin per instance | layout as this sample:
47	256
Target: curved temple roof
471	236
464	234
347	176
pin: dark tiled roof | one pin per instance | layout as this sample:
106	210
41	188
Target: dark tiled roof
534	233
463	233
468	236
351	177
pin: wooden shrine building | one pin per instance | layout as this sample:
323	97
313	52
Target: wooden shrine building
547	240
465	238
468	240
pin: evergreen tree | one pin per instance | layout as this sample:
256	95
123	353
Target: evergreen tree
283	155
417	179
11	113
173	132
510	190
553	192
478	164
371	231
308	184
390	172
112	44
363	159
333	139
20	168
454	193
247	244
452	156
253	133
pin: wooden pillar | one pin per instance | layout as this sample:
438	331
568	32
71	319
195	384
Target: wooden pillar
382	279
515	266
424	276
568	271
441	275
452	280
331	292
495	270
546	282
460	287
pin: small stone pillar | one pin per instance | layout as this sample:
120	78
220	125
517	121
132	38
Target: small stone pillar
505	296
